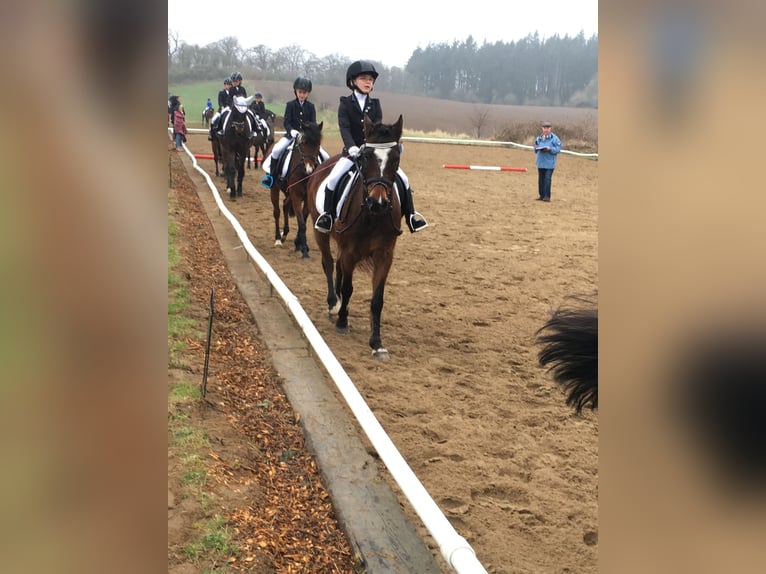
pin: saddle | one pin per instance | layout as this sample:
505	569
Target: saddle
259	129
219	125
282	162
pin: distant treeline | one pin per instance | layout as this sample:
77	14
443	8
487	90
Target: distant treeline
557	71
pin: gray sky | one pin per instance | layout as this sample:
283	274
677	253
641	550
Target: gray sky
387	39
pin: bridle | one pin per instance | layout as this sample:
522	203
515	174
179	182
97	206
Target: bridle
305	157
370	184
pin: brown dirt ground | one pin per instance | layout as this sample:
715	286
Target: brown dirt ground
479	422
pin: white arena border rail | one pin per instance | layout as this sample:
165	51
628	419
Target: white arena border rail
457	142
454	548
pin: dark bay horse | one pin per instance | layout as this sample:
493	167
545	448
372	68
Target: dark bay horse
304	158
235	145
262	141
367	227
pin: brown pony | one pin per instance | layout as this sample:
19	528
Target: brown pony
207	115
304	159
367	226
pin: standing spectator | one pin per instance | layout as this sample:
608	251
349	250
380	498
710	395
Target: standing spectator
172	102
547	146
179	123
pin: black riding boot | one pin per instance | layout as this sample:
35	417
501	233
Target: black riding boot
324	221
415	221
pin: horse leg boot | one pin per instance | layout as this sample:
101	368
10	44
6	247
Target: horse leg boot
415	221
324	222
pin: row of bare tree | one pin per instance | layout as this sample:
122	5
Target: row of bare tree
555	71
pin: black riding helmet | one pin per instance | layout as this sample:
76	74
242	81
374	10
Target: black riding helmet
227	81
236	76
302	84
357	69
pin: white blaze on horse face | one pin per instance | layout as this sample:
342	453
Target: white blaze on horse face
382	155
308	167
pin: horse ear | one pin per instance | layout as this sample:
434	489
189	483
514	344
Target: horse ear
249	99
369	125
398	127
321	124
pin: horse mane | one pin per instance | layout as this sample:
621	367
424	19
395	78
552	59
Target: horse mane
569	342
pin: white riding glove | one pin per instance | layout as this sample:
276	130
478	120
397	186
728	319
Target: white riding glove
353	151
293	134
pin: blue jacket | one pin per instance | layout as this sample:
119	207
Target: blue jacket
547	159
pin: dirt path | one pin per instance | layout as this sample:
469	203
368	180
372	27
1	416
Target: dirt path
462	397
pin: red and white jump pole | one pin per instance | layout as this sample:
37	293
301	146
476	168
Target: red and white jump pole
484	167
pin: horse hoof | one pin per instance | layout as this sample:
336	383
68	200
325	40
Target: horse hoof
380	354
342	330
305	255
278	243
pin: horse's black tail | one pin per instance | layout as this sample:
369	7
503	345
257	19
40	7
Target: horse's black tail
569	342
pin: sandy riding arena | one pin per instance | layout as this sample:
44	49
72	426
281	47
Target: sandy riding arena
480	423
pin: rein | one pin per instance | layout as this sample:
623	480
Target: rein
317	163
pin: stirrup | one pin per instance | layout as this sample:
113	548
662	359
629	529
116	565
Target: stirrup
323	223
267	181
416	224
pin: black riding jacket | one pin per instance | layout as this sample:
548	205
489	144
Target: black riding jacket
223	99
234	92
259	108
351	119
295	114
